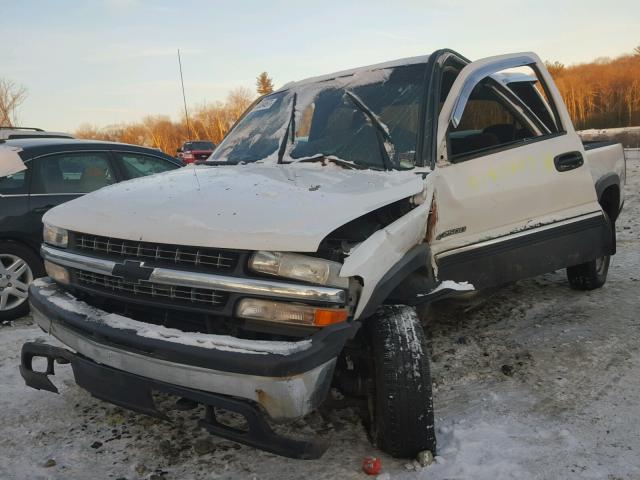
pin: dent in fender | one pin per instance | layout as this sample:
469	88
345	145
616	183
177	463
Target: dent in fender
371	259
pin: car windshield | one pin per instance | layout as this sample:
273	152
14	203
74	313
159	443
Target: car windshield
199	146
368	119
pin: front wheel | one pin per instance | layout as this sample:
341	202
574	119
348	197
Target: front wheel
401	407
19	265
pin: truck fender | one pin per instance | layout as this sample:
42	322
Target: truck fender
605	181
415	259
608	180
383	254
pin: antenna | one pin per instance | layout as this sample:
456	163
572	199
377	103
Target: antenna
184	99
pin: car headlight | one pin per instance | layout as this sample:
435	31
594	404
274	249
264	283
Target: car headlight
58	237
299	267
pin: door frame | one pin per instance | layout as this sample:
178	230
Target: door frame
569	236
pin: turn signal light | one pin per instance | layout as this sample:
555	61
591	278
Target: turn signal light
284	312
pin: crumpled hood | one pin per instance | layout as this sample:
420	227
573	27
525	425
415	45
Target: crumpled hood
253	207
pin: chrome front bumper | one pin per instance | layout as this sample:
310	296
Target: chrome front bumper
288	394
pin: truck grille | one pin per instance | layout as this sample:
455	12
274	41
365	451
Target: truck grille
207	258
145	289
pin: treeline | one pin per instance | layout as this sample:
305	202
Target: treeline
601	94
210	121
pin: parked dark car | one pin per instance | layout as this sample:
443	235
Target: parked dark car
58	170
194	151
8	133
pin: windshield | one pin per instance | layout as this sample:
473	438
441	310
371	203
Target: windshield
199	146
368	119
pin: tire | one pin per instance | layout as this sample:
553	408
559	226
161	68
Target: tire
401	405
16	260
590	275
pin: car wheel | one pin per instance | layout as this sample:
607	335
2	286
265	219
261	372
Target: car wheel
19	265
590	275
401	406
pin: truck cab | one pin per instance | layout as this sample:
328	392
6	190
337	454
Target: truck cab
292	260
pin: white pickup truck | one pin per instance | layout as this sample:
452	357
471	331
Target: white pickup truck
292	260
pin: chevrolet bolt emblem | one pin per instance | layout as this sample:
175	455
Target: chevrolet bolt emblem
132	271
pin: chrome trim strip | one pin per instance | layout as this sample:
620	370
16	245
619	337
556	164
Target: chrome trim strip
522	233
251	286
72	260
165	276
57	194
288	397
2	195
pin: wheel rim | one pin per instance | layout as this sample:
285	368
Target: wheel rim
15	278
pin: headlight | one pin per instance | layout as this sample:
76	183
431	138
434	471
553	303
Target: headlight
299	267
58	237
56	272
284	312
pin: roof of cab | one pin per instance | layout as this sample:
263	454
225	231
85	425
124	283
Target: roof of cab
378	66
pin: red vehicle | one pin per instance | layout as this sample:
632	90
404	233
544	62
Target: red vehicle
189	152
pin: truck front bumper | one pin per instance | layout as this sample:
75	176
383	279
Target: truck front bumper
123	365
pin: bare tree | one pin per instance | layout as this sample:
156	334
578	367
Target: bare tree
637	50
264	84
555	68
209	121
237	102
11	97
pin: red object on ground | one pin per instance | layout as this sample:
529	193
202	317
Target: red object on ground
371	465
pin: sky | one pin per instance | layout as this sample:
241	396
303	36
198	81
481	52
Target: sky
106	62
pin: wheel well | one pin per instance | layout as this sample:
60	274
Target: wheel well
28	245
610	201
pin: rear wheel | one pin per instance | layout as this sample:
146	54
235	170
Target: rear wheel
401	406
590	275
19	265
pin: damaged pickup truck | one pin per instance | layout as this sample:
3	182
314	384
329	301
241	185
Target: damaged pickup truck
292	260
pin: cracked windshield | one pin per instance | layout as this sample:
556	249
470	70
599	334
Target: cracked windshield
365	120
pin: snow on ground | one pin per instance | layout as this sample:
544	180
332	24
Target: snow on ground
538	381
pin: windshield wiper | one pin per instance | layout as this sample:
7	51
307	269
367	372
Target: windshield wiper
291	126
338	161
387	151
214	163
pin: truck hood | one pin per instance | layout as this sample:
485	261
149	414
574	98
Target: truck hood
254	207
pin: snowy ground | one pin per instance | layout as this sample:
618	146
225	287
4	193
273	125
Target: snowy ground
539	381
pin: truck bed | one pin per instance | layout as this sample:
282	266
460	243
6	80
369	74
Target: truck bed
607	164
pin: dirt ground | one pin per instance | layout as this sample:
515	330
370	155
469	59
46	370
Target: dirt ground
538	381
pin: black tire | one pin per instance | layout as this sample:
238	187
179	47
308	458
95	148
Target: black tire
589	275
401	406
593	274
11	250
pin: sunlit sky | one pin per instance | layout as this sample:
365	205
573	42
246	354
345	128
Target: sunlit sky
113	61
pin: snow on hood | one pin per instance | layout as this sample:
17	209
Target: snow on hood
10	161
253	207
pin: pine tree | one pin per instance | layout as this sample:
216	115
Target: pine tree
264	84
